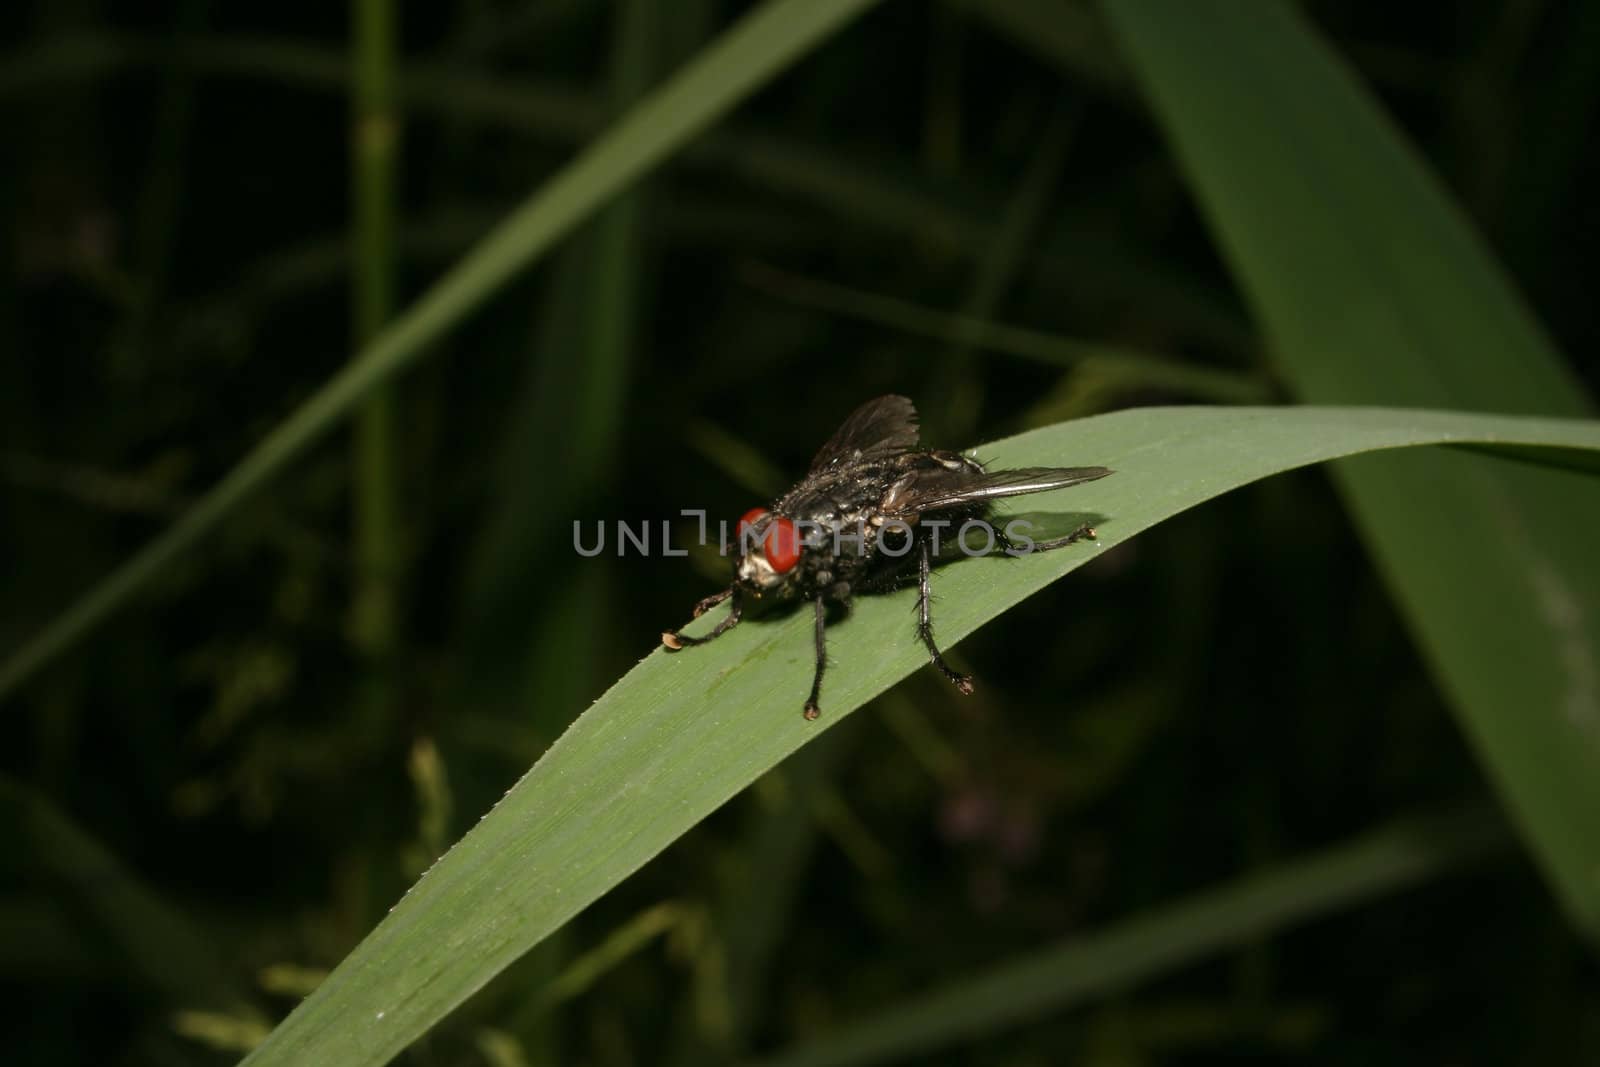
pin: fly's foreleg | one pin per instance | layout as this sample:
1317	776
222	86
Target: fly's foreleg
710	602
925	624
813	709
675	640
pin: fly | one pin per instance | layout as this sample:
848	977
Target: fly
874	491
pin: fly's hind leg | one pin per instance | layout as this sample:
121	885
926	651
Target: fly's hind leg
675	640
1082	533
1011	548
925	625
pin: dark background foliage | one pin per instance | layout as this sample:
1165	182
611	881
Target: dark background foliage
231	776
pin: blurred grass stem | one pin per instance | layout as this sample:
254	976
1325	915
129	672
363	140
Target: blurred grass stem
373	143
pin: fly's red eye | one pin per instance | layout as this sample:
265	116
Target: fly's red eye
782	545
750	518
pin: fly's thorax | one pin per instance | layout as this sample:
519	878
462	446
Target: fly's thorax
840	495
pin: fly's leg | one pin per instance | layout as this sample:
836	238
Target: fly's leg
1011	548
1082	533
925	625
675	640
710	602
812	709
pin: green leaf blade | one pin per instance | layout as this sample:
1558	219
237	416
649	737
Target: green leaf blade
682	733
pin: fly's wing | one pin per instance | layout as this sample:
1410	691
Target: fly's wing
941	487
876	430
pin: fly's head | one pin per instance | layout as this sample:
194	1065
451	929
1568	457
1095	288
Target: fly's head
771	554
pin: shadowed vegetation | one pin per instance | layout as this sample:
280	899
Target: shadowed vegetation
325	323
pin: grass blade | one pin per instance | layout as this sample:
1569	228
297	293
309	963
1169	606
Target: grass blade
679	735
155	941
729	69
1105	961
575	391
1209	383
954	394
1373	288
